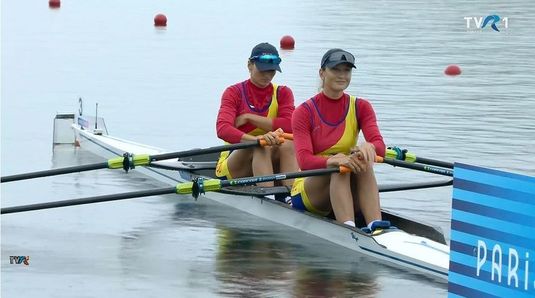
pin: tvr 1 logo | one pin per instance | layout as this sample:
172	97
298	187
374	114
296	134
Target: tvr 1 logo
493	21
19	260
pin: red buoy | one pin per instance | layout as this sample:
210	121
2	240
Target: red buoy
160	20
287	42
54	3
452	70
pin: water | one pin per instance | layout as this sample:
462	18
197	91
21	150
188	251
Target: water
162	87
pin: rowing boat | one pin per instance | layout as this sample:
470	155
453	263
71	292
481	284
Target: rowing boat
413	245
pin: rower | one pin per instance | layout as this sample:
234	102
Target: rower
325	129
257	108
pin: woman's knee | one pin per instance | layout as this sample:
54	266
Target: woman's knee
341	178
239	163
262	152
242	155
287	148
365	176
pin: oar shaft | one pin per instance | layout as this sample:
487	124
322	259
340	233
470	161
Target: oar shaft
416	166
282	176
209	150
405	155
53	172
411	186
131	161
89	200
434	162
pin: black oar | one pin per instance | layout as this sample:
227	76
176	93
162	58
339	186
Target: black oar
195	188
415	166
130	161
412	186
52	172
405	155
89	200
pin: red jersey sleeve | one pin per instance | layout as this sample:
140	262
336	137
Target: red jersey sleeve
286	109
303	140
368	125
228	111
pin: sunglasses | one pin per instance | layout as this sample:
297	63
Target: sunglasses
271	59
340	56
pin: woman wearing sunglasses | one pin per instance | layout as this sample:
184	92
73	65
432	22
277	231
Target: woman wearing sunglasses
253	109
325	129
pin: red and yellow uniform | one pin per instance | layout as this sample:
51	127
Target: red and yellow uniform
275	102
323	127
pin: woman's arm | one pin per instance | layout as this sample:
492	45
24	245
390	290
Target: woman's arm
368	125
303	141
228	110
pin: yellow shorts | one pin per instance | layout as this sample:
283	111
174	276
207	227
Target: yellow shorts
300	199
221	170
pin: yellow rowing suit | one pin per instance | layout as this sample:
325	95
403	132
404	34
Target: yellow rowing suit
222	171
344	144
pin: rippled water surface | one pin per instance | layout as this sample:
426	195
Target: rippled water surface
162	87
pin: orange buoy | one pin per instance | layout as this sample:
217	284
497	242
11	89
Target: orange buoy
160	20
287	42
452	70
54	3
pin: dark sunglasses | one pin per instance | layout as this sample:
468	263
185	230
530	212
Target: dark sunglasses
340	56
271	59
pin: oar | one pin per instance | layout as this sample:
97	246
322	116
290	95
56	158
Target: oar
52	172
412	186
130	161
195	188
288	136
415	166
405	155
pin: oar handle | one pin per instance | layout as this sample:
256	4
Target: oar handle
288	136
263	142
344	170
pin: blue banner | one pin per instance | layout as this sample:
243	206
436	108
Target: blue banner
492	234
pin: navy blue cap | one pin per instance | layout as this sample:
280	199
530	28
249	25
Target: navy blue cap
265	49
334	57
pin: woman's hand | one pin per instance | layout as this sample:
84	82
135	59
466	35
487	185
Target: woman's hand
349	161
365	155
368	152
273	137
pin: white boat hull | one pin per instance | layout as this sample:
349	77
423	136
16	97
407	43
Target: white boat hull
395	247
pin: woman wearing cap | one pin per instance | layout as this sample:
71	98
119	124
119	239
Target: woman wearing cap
325	129
253	109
